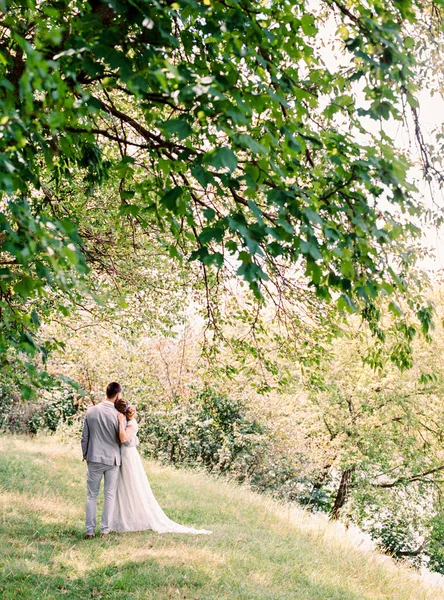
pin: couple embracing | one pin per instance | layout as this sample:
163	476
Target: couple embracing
109	446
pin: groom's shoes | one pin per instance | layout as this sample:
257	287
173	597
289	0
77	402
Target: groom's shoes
104	534
89	536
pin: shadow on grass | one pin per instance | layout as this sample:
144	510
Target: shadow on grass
150	580
133	580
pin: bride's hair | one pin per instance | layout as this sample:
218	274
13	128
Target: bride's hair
121	405
124	407
130	412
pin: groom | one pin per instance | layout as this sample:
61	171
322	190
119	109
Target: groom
101	450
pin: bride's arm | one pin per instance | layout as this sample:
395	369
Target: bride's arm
124	434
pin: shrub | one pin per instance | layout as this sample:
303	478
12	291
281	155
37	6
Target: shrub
210	430
58	406
435	547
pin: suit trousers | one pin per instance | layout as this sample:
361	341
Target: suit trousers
110	473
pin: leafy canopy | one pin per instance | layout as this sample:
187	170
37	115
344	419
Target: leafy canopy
220	127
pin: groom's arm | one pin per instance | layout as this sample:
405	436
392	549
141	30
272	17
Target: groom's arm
85	438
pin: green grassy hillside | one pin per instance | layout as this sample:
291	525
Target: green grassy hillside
259	549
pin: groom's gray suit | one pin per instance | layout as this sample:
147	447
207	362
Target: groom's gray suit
101	450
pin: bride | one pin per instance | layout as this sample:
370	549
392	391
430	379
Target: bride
136	508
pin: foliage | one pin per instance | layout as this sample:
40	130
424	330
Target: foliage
49	415
398	520
381	430
214	131
210	430
435	549
58	405
41	269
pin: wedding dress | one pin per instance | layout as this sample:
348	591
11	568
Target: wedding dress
136	508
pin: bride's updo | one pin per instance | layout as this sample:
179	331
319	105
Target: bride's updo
124	407
130	412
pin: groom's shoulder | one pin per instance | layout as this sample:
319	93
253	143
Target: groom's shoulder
94	408
106	410
91	409
106	407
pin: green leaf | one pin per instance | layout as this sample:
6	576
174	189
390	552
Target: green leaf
252	272
25	286
216	259
313	216
308	25
247	141
311	248
177	127
26	391
345	302
35	317
209	234
174	252
170	199
394	308
203	176
222	158
127	194
129	209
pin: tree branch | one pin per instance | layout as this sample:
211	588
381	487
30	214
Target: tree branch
407	480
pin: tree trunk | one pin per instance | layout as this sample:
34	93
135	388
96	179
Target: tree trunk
172	454
342	493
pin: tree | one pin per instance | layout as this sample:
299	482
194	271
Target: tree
220	131
383	426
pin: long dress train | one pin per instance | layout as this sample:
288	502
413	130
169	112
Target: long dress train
136	508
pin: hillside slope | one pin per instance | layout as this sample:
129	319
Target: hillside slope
259	549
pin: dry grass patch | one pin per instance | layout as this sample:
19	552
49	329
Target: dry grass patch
49	509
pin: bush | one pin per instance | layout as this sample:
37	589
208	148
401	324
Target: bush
17	416
216	432
14	414
210	430
48	415
435	546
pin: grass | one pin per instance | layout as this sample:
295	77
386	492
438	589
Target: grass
258	550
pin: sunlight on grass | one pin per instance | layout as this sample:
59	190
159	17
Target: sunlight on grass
48	509
259	549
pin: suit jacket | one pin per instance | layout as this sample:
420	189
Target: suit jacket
100	435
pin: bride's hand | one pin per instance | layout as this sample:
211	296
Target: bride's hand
121	417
